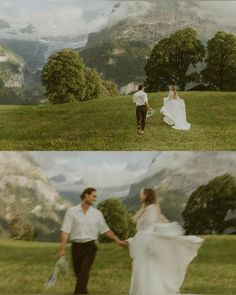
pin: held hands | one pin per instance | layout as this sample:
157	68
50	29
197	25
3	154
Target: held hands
123	244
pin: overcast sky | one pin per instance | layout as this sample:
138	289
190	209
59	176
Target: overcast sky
76	17
77	170
73	170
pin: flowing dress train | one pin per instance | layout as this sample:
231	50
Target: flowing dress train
160	254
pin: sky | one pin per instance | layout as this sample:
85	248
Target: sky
76	17
64	17
73	170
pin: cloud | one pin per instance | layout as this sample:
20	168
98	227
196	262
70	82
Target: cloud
80	181
53	18
81	17
222	11
99	169
58	178
69	17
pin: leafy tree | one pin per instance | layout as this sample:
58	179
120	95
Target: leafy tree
209	206
220	71
117	217
97	87
63	77
171	59
110	87
93	84
67	79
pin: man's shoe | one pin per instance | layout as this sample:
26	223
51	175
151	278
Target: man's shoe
140	132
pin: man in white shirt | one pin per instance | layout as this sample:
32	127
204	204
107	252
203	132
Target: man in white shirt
82	225
140	98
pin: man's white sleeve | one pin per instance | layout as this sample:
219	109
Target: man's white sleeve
67	222
103	228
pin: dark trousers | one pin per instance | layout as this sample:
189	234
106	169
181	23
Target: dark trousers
83	256
141	114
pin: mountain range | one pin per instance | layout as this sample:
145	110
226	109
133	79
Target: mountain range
120	49
25	188
175	182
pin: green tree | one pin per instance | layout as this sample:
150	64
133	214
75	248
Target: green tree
220	71
208	207
63	77
117	217
111	88
93	84
172	58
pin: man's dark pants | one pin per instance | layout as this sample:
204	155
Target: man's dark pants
141	114
83	256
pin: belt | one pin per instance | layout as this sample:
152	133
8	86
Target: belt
83	243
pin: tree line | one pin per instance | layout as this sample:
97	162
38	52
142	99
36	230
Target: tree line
177	59
174	60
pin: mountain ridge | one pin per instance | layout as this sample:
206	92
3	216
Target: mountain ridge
25	188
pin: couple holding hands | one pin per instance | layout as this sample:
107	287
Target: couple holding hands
160	251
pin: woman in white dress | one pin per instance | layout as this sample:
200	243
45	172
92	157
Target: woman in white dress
174	111
160	252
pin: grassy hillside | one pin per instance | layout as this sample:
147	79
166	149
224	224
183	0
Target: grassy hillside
24	266
110	124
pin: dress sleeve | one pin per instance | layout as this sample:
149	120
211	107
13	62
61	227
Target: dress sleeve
149	217
67	222
103	227
160	217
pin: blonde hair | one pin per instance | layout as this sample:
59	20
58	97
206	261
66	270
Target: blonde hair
174	89
150	198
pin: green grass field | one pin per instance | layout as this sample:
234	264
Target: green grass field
109	124
24	266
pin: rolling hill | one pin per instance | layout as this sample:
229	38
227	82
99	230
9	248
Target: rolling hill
110	124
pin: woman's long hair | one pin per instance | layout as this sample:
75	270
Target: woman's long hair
174	89
150	198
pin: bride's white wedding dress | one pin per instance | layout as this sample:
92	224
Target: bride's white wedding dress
174	112
160	254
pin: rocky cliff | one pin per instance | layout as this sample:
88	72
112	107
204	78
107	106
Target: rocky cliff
11	68
25	188
160	19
